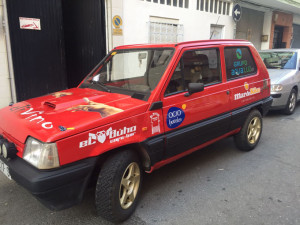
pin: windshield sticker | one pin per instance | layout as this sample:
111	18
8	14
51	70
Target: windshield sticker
110	134
241	66
175	117
104	110
248	92
155	123
61	94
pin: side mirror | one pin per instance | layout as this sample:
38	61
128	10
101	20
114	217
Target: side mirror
194	88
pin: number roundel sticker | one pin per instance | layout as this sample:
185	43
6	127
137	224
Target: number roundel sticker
175	117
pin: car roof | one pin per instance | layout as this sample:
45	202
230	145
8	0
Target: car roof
187	44
281	50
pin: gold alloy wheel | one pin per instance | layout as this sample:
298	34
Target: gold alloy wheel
254	130
130	184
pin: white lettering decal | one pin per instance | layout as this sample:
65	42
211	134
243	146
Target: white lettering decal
252	91
47	125
175	114
83	144
111	134
39	119
29	112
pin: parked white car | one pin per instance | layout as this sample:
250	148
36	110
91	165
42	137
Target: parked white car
284	70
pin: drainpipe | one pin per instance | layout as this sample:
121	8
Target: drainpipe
108	12
9	56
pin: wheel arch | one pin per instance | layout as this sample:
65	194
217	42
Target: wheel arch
296	88
259	108
135	147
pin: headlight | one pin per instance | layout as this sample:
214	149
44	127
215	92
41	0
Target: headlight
41	155
276	87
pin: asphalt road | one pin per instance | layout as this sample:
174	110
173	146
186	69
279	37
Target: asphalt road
216	185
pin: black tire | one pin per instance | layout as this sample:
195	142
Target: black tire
247	139
291	103
109	188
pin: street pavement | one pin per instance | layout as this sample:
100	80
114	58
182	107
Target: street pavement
216	185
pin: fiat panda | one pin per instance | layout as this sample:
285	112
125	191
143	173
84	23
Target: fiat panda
140	108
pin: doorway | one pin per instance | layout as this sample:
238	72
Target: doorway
85	39
277	39
70	42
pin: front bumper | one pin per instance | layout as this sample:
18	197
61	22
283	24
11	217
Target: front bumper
56	189
279	100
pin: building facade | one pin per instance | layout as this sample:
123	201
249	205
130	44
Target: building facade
93	27
5	86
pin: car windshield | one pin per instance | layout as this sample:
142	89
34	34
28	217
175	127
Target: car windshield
134	72
279	60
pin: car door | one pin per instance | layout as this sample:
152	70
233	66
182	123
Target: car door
190	121
298	73
246	82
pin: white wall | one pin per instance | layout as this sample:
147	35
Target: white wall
117	9
136	15
5	96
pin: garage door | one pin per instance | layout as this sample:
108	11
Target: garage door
250	26
296	36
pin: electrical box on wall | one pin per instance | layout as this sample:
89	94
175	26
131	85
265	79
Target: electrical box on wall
264	38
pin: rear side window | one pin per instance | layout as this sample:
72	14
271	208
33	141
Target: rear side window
239	62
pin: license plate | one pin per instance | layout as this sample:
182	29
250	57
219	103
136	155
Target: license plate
4	169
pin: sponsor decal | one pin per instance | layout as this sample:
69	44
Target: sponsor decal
241	66
249	92
62	128
37	118
91	106
175	117
155	123
19	108
110	134
239	53
33	116
246	85
61	94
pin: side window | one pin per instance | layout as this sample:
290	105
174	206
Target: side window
196	66
239	62
176	83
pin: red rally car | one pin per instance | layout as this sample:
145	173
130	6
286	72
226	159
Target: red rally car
142	107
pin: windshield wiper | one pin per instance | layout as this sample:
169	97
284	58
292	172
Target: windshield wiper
103	86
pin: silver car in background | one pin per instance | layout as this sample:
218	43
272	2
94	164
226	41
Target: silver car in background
284	69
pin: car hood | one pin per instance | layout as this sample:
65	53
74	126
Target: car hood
277	75
62	114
